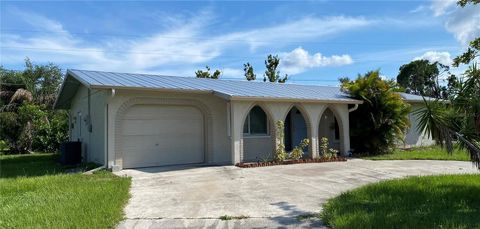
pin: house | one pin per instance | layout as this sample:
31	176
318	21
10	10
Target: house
135	120
414	137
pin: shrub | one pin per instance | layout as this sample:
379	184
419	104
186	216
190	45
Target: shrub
33	128
10	131
381	120
325	151
280	153
297	152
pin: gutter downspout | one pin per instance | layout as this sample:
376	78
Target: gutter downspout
353	108
229	119
94	170
89	124
107	133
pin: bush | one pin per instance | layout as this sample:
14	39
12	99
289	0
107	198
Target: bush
325	151
10	130
381	120
297	152
280	153
33	128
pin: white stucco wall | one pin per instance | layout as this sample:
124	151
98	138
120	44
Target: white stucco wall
257	148
93	142
413	137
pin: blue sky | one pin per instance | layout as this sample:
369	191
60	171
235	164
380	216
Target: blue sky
317	41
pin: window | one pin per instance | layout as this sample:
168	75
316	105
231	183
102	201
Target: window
256	122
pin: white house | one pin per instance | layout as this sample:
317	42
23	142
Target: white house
136	120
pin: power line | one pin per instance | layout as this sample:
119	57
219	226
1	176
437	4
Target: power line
231	58
167	37
255	57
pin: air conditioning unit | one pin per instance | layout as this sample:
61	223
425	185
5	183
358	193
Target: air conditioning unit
71	153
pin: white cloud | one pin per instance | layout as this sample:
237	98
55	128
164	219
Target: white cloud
185	43
233	73
298	60
294	31
440	7
463	23
440	57
385	77
418	9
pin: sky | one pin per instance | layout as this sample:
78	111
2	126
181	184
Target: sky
317	41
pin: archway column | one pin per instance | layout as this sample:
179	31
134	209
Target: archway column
341	110
314	112
238	112
279	112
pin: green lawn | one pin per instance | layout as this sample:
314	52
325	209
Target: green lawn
423	153
36	192
448	201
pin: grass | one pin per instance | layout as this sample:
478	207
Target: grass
36	192
447	201
423	153
229	217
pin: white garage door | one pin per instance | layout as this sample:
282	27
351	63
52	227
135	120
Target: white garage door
156	135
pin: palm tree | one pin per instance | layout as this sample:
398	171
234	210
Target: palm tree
459	120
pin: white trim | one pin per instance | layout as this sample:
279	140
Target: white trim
257	136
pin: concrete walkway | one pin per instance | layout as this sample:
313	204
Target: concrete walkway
272	197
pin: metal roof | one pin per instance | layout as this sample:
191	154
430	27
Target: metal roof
414	98
228	89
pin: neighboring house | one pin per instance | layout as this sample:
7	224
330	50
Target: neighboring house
414	137
136	120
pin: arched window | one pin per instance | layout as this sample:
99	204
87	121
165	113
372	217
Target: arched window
256	122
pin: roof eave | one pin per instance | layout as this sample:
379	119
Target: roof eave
62	87
152	89
256	98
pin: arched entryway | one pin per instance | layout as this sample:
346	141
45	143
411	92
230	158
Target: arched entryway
257	135
329	127
295	129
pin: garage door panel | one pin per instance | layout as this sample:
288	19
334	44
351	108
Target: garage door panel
152	112
161	127
156	135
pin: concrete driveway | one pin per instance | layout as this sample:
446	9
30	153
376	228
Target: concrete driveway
195	197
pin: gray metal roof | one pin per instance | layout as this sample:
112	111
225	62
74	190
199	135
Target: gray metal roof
228	89
414	98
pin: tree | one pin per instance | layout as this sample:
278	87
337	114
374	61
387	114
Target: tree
463	3
249	74
206	74
43	81
27	119
421	77
472	52
271	73
461	118
382	120
10	82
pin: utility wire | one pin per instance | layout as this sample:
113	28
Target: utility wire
230	58
216	39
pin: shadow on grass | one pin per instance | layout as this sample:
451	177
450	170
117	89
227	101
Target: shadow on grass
417	202
30	165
